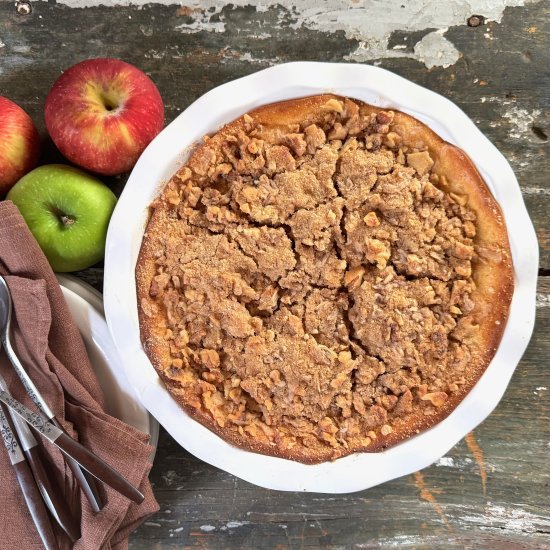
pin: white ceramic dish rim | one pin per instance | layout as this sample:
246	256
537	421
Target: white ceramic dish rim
170	149
86	306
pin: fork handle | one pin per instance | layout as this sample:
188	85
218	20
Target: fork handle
35	504
51	495
87	483
97	467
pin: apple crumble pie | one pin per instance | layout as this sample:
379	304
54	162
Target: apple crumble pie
323	277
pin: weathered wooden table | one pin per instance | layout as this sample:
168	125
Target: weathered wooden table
491	490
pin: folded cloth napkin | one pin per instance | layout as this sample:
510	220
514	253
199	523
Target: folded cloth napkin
49	344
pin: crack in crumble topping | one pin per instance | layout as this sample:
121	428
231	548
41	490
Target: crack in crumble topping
315	281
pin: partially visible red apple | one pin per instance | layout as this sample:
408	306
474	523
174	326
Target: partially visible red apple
19	144
102	113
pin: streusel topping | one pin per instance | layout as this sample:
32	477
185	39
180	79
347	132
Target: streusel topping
315	281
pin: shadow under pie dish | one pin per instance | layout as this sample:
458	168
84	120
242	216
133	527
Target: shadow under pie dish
323	277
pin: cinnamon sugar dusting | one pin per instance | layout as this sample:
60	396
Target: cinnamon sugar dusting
313	283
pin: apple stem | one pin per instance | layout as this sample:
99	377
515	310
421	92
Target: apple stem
67	220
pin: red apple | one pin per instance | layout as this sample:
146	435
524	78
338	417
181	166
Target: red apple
102	113
19	144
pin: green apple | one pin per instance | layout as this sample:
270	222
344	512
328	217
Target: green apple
68	212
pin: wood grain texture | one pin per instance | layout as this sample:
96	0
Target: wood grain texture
491	490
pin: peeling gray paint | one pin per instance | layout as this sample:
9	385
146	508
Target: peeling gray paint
249	57
445	461
535	191
234	525
370	22
202	22
434	50
511	520
521	121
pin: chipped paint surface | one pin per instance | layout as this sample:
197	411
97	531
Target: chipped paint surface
201	22
535	191
446	461
434	50
234	525
463	463
370	22
400	541
543	300
513	520
521	121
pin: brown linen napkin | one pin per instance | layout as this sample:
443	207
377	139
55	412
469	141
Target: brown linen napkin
49	344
